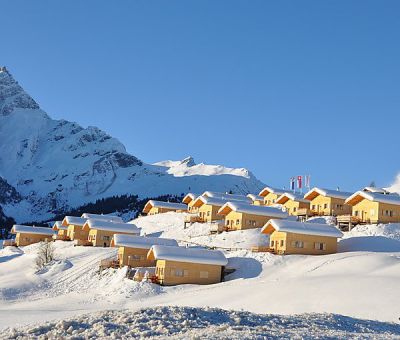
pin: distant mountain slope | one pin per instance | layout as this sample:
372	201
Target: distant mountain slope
52	165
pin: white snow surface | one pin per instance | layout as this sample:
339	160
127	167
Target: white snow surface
31	230
188	254
361	282
205	323
111	226
141	242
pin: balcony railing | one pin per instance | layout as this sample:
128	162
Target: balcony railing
9	243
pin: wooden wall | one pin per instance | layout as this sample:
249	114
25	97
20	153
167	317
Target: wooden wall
191	273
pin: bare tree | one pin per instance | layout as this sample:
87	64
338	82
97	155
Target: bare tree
45	254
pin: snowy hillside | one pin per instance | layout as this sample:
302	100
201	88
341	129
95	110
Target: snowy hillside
359	282
55	164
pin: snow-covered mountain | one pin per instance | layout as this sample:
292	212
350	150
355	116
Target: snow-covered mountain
48	165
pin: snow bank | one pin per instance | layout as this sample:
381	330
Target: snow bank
205	323
171	225
370	237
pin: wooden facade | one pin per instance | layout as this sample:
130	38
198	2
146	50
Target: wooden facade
157	207
293	203
270	195
171	273
239	216
133	250
207	208
325	202
101	233
189	199
256	199
371	207
26	235
75	228
179	265
290	237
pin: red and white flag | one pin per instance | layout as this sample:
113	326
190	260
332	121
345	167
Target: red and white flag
299	182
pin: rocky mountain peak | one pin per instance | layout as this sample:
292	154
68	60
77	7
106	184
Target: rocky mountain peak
189	161
12	95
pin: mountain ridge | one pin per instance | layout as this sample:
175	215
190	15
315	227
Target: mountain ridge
55	165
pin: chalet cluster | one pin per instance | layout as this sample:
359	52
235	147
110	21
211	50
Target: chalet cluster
159	260
283	215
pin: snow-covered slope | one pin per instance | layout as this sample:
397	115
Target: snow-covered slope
361	281
56	164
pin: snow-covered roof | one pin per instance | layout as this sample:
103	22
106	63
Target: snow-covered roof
58	226
191	255
374	197
282	199
225	196
166	205
17	228
306	228
254	197
142	242
377	190
111	218
111	226
219	202
73	220
314	192
264	192
260	210
189	197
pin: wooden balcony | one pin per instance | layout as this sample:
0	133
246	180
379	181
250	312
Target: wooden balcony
218	227
61	238
9	243
306	212
348	221
262	249
109	263
193	218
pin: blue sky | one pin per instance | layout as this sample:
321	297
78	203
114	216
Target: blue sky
280	87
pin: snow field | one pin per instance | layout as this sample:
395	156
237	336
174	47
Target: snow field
361	283
204	323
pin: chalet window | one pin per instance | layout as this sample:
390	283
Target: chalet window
313	207
134	257
227	222
237	222
272	243
179	272
208	213
299	244
282	243
325	206
294	209
185	273
203	275
106	238
320	246
254	223
356	213
372	212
